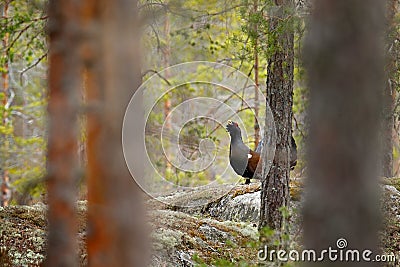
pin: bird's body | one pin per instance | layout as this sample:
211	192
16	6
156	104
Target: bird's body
243	160
246	162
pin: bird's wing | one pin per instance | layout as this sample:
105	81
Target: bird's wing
253	160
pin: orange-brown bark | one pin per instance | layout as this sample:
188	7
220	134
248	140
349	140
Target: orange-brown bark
64	84
115	223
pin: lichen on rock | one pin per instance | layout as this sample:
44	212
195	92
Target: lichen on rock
205	230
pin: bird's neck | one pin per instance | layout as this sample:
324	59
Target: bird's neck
237	149
236	139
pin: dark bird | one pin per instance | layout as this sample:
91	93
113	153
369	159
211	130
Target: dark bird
243	160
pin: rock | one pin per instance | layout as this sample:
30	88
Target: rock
390	233
191	227
241	203
179	237
237	208
23	234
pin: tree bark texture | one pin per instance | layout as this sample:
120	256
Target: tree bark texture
275	185
389	92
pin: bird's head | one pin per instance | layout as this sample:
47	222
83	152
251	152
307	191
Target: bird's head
233	129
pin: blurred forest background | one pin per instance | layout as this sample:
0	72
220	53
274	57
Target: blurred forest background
235	33
61	112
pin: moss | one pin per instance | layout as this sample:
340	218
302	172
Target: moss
5	259
24	235
197	236
176	233
295	193
245	189
35	214
167	239
395	181
390	232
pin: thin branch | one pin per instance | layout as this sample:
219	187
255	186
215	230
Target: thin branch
35	19
28	118
219	12
10	99
34	64
158	74
18	36
157	37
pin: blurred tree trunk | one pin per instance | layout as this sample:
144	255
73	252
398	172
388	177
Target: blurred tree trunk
389	93
166	58
62	163
275	187
115	217
345	69
5	188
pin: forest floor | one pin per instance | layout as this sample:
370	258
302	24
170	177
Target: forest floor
222	232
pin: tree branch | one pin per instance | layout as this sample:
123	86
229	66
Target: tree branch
34	64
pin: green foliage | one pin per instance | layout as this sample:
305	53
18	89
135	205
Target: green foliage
197	30
221	262
31	181
25	30
228	263
199	262
226	32
22	131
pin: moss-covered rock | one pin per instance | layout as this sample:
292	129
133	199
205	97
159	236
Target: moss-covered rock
394	181
192	228
179	238
23	234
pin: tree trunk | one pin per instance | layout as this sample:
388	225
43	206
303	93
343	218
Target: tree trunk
256	80
64	84
345	68
275	186
115	216
5	188
166	58
389	93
